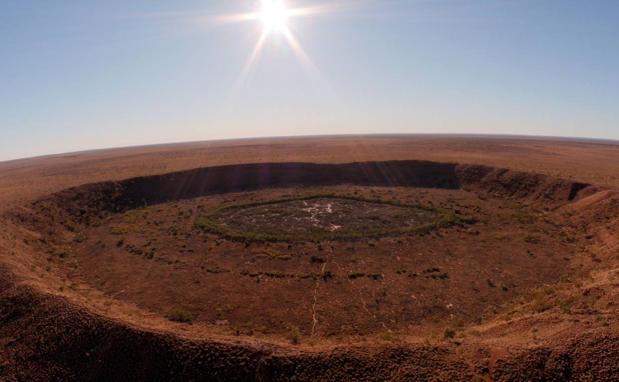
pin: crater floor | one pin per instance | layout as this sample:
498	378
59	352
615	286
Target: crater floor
317	217
325	261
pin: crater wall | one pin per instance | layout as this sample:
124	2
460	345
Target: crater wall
88	201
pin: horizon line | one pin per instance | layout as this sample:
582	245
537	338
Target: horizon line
581	139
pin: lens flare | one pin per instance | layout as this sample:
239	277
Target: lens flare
274	15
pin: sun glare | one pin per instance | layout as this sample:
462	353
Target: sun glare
274	15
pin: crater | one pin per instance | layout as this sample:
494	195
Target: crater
294	250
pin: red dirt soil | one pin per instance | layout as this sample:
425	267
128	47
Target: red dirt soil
98	248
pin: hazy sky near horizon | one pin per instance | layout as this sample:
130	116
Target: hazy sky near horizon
78	75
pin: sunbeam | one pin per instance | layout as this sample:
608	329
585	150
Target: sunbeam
275	17
299	52
254	56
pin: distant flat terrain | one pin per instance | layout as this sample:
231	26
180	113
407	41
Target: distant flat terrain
587	161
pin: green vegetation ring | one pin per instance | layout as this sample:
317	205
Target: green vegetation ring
324	217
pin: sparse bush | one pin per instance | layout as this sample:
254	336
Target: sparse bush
543	300
328	275
273	255
355	275
524	217
389	336
531	239
449	333
567	303
501	236
119	230
317	260
436	274
567	237
294	334
180	315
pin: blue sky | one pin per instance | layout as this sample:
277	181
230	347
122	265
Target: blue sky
78	75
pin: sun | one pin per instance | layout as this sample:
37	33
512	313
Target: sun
274	15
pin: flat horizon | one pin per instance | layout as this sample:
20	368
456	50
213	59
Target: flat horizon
327	136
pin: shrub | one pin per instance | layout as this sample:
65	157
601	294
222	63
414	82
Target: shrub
180	315
531	239
449	333
119	230
566	304
436	274
294	334
355	275
543	299
328	275
567	237
389	336
273	255
317	260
